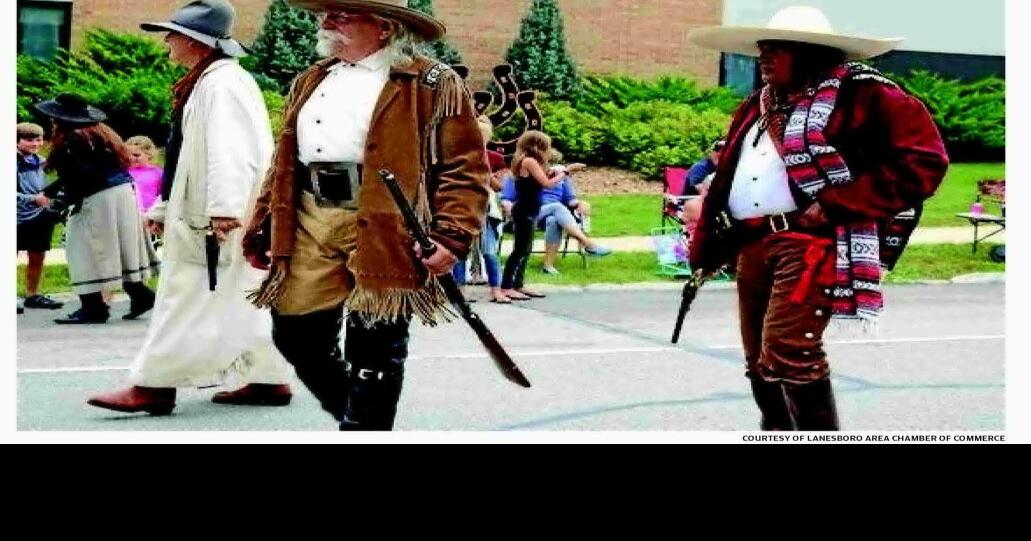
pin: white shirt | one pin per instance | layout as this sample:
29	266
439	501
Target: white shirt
761	180
333	124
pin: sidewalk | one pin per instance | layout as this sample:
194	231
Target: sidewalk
923	235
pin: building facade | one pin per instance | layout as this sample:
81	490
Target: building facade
642	38
632	37
959	39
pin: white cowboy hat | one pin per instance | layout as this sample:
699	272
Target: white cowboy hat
418	22
803	24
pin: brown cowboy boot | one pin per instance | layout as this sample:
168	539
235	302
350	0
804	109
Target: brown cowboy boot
152	400
255	394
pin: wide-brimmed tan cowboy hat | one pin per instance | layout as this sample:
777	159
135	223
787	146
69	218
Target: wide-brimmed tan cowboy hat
803	24
207	21
418	22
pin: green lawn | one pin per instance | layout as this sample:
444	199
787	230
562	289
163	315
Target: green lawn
636	215
55	280
942	262
618	268
624	215
958	191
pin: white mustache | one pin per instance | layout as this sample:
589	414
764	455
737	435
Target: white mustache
329	41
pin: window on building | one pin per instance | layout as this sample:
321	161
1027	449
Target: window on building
739	73
44	26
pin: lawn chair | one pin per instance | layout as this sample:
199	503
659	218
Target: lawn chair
672	195
672	247
506	228
671	250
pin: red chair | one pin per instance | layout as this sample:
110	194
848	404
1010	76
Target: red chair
673	195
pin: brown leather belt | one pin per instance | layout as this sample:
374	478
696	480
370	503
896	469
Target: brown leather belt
751	229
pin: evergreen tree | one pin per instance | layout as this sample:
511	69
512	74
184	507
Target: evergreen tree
440	50
538	55
284	48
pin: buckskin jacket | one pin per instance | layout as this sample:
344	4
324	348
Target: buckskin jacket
424	130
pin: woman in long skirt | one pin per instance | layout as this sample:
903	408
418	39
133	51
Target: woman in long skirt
107	241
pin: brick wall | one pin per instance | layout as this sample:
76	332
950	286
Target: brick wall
634	37
126	15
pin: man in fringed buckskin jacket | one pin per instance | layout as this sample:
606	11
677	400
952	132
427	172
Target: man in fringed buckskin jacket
327	228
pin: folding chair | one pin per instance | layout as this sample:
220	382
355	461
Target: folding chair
506	228
673	197
671	250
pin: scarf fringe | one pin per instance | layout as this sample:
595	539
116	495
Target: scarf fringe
271	290
854	326
429	304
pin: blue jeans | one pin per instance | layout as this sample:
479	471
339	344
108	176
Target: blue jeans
491	261
557	217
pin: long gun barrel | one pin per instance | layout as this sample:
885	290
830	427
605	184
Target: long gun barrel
497	352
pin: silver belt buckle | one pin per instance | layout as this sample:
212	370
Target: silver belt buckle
784	221
353	178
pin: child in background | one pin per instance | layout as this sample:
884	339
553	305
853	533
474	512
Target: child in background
35	222
146	175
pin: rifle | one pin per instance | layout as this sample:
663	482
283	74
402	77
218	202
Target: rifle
501	358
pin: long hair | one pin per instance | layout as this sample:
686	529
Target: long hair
532	144
402	46
94	148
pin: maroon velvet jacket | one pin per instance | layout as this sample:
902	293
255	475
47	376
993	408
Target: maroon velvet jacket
886	137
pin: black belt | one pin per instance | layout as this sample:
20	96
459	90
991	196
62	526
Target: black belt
333	184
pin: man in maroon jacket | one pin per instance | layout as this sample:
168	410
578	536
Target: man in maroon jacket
818	188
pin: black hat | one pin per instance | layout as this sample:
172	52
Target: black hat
71	109
207	21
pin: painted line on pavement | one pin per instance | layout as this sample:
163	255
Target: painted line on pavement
568	352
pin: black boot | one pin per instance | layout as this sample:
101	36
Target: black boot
141	299
376	355
311	343
772	403
94	310
812	405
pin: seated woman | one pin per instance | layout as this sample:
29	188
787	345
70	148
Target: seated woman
557	205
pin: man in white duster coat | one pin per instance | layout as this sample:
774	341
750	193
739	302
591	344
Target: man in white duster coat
220	148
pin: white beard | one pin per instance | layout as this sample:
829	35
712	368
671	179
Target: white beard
329	42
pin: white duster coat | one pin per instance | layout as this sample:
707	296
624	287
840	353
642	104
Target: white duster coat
197	337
